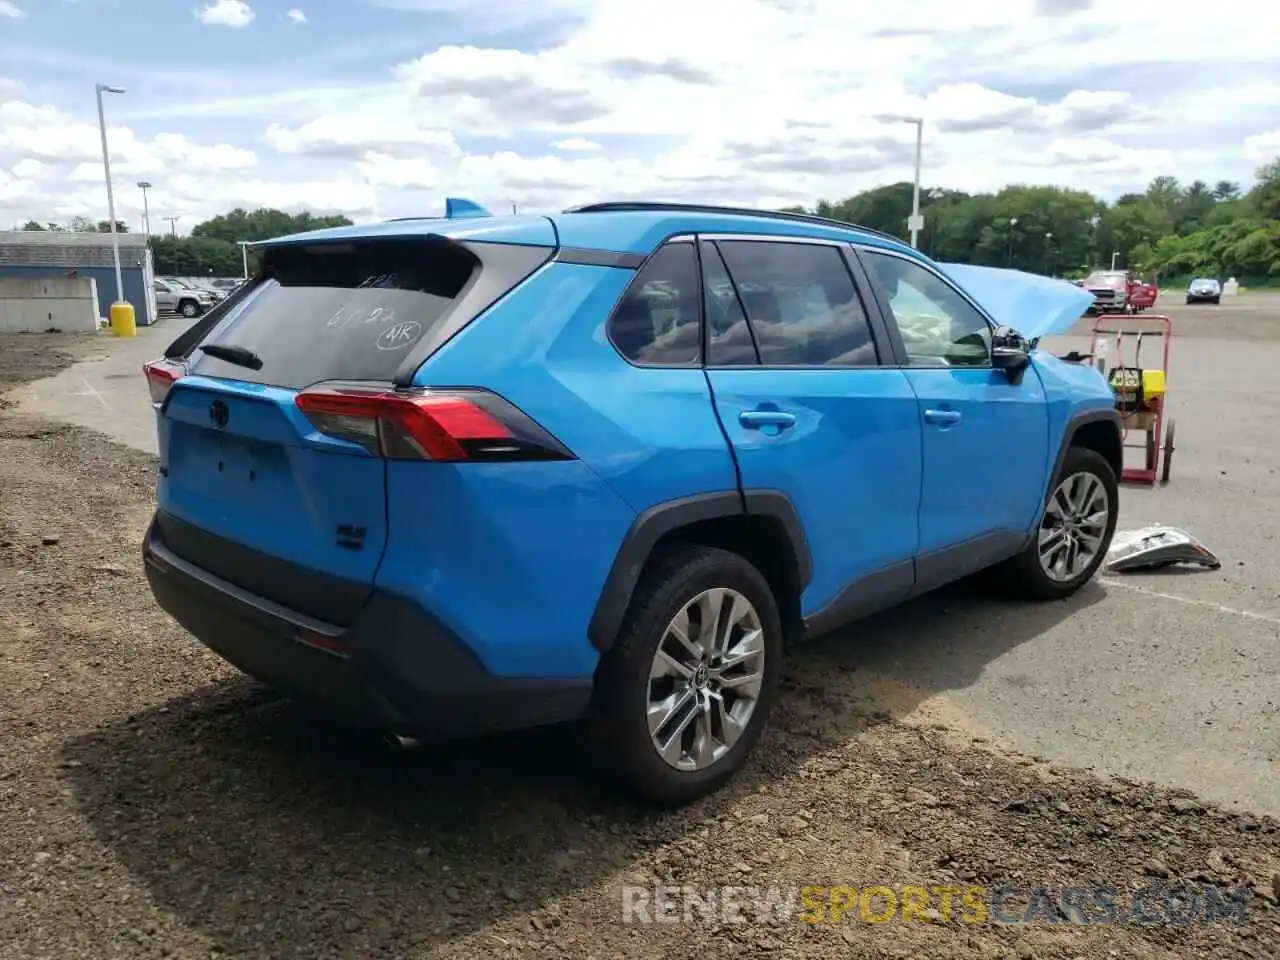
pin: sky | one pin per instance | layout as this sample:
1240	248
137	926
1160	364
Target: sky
383	108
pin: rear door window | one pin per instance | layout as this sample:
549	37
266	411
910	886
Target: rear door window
339	311
801	303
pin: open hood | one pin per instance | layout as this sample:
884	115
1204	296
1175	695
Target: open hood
1033	305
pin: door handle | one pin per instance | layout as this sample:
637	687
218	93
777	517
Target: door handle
942	416
755	419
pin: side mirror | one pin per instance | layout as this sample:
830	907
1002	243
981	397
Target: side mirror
1010	352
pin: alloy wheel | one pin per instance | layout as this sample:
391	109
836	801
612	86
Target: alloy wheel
1074	526
705	679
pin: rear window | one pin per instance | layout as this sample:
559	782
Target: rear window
349	311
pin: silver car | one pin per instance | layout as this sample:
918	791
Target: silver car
174	297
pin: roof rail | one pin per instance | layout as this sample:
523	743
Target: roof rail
659	206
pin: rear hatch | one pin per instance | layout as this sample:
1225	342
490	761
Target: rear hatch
261	487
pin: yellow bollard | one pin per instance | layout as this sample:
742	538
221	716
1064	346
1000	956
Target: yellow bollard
123	323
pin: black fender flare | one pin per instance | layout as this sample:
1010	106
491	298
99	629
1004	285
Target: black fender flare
657	521
1074	423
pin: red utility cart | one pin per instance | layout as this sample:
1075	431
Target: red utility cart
1140	391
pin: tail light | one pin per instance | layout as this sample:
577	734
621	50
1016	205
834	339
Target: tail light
161	375
442	425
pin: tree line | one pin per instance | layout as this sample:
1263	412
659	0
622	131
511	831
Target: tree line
1174	229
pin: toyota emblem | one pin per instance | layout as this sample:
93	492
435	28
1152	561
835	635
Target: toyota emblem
219	413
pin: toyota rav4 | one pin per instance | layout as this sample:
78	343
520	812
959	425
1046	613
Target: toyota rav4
462	474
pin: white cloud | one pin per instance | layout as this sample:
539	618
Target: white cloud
11	10
1103	156
11	89
386	170
349	137
296	16
785	106
225	13
29	169
1266	145
577	145
45	134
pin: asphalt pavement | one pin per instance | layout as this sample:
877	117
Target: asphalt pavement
1170	677
106	391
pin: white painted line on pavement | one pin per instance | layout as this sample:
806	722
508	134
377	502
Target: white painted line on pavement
92	392
1207	604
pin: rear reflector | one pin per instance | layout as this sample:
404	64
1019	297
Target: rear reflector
321	641
443	425
161	375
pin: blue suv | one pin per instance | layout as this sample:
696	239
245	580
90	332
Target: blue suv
463	474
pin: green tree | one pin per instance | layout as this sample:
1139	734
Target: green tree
1196	206
195	257
1122	229
33	225
1265	196
262	224
1166	195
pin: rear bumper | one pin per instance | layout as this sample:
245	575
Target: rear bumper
395	667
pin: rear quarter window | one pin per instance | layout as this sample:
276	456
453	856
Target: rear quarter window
348	311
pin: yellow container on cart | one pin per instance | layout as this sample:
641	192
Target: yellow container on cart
1152	384
1135	389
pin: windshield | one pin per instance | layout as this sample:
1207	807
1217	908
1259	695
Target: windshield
1106	279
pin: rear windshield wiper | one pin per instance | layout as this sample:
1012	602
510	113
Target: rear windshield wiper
240	356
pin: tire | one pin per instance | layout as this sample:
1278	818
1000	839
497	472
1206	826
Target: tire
621	742
1168	453
189	309
1029	578
1217	300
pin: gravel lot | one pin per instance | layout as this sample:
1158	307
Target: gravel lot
153	803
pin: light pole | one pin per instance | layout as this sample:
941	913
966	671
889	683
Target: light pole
244	256
1048	238
144	186
99	90
1113	259
915	222
1013	222
1093	223
173	226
